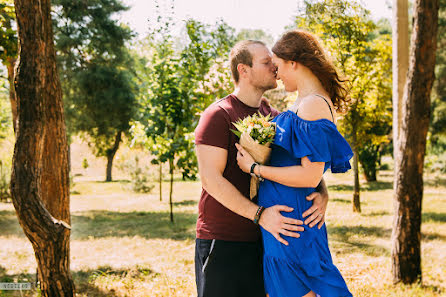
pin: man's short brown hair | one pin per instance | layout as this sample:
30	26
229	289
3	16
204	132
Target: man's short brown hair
240	54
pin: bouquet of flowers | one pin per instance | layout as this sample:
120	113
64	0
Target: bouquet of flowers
256	134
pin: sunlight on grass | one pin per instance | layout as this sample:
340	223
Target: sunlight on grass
123	243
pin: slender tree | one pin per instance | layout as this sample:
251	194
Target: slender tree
40	178
411	146
8	50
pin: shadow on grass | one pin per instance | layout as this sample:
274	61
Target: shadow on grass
118	181
370	186
84	280
17	278
98	223
185	203
432	236
434	217
340	200
145	224
376	213
435	182
345	234
9	224
340	188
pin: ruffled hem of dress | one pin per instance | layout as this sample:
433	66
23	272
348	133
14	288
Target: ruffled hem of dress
310	273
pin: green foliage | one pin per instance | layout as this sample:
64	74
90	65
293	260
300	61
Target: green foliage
5	117
4	181
6	133
176	86
96	70
8	34
85	164
437	129
255	34
362	51
141	177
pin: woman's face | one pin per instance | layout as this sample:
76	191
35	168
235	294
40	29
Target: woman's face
286	73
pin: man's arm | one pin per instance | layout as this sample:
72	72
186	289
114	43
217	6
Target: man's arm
211	163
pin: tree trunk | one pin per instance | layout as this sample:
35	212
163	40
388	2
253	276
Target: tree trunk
111	155
400	65
40	177
356	189
171	189
370	174
161	181
12	98
411	147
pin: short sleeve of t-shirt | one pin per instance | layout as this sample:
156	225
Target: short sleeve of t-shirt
213	127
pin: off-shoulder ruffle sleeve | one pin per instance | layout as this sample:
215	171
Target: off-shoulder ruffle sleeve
319	140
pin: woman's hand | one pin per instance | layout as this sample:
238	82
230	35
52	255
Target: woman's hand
244	159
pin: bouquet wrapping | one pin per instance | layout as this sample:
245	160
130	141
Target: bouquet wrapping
256	135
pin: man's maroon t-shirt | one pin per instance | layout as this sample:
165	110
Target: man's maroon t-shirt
214	220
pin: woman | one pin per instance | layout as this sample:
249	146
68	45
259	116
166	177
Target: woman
306	144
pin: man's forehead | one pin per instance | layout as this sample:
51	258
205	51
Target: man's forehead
260	52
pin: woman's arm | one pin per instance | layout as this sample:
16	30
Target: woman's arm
306	175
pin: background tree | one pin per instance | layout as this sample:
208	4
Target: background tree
255	34
40	176
364	58
96	73
177	85
406	235
5	132
8	49
437	129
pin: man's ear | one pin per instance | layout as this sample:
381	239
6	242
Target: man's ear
241	68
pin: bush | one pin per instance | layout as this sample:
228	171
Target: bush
4	181
140	177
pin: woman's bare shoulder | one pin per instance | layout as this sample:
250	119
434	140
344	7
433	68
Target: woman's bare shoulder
314	108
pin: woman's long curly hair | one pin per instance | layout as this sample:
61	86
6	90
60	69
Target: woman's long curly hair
303	47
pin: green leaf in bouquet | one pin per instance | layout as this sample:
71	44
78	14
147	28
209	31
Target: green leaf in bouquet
238	133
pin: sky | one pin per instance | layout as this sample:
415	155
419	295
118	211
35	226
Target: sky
270	15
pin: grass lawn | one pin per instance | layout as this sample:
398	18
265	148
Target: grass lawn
123	243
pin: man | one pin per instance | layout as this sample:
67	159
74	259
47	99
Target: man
228	251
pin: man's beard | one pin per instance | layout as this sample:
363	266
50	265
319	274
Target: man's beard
265	87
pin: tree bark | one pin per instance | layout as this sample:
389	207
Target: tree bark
12	98
171	166
357	188
40	177
161	181
111	155
400	52
411	147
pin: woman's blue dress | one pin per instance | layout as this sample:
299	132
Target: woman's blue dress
306	263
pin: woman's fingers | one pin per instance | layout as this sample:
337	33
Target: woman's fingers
293	227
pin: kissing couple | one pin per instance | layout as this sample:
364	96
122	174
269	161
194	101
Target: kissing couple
276	244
